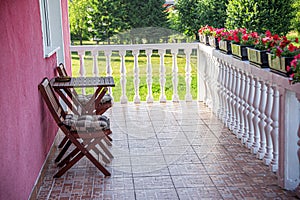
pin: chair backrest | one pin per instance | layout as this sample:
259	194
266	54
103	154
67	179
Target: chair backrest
62	70
51	100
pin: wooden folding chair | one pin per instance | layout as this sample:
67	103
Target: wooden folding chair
88	139
83	104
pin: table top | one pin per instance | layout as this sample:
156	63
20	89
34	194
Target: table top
72	82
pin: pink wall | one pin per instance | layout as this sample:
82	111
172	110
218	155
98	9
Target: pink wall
66	34
27	129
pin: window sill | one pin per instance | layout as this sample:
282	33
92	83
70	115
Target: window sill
48	52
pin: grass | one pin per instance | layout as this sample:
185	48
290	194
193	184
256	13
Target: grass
155	59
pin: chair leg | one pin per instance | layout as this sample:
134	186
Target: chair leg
69	165
63	151
63	142
68	158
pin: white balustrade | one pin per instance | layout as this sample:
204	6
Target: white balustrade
248	101
187	48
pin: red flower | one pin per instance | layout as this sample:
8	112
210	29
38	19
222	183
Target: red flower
268	33
245	37
292	48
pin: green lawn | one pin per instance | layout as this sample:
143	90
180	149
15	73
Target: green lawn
115	62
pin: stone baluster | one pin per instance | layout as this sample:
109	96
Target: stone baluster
123	98
240	123
268	128
109	71
95	63
256	143
162	97
220	91
135	54
226	95
236	103
149	97
275	130
188	76
81	55
245	113
175	97
250	115
230	98
216	73
262	117
206	79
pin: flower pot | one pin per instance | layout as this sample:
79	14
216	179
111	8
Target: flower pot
278	64
224	46
258	58
240	51
213	42
203	39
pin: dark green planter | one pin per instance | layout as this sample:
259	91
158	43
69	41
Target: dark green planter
225	46
240	51
213	42
278	64
258	58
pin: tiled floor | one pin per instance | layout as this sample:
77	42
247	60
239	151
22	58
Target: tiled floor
168	151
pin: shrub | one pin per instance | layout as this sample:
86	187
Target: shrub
260	15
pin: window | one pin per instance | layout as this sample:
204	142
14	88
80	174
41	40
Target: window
52	28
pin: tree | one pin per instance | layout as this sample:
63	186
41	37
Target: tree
107	18
189	15
260	15
212	12
79	19
296	19
145	13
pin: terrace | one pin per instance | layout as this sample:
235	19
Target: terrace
237	139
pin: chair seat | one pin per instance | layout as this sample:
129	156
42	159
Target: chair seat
87	123
84	99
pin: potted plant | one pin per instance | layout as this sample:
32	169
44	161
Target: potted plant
242	40
215	37
294	69
282	54
224	38
257	55
204	32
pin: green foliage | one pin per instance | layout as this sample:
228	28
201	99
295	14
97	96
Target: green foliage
107	18
296	19
78	17
260	15
189	15
212	12
145	13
